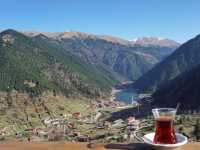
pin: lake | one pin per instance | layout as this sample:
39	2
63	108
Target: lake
126	95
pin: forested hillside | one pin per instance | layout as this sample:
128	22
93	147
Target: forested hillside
184	89
34	65
186	57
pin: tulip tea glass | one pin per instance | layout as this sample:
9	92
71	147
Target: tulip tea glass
164	125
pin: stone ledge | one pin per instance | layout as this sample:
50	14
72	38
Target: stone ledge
81	146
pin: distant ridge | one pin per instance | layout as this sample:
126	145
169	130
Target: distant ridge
186	57
116	53
145	41
76	34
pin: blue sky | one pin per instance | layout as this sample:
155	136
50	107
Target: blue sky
128	19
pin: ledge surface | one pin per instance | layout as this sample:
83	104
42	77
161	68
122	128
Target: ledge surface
81	146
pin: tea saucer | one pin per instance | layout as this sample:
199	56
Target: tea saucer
181	140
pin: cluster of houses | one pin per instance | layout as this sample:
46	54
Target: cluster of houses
131	123
123	130
65	126
3	131
61	128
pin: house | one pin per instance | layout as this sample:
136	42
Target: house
118	124
76	133
3	131
77	115
132	123
100	125
67	115
30	131
108	125
55	135
54	122
118	121
71	125
43	134
47	121
131	120
83	138
97	116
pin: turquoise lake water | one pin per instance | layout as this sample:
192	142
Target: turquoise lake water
126	96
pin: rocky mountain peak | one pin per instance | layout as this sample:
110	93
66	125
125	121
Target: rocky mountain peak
155	41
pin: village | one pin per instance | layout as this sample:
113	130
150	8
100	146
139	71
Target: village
97	125
73	126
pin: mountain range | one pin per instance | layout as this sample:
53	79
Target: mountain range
185	58
163	42
74	62
144	41
125	58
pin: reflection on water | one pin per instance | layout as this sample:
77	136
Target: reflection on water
127	96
